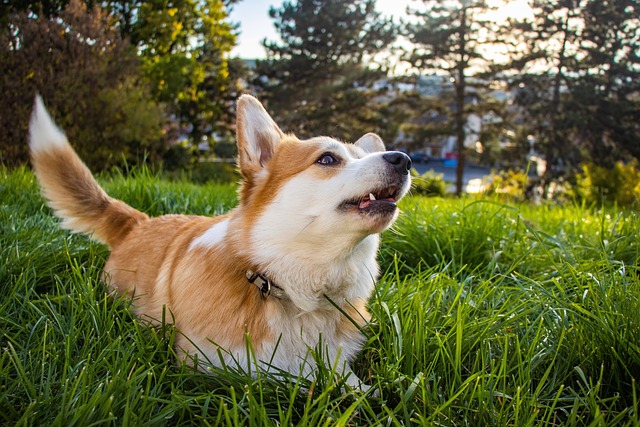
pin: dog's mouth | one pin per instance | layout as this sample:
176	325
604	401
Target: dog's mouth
376	202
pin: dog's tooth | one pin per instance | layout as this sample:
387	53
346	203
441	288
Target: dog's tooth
371	196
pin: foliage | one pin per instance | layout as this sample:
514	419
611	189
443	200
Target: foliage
510	185
573	70
319	80
429	184
577	73
180	156
608	81
218	172
449	38
182	161
426	116
486	314
49	8
618	185
183	46
175	56
88	77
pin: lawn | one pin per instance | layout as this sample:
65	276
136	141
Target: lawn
486	314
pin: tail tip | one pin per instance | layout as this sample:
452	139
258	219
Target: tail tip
43	132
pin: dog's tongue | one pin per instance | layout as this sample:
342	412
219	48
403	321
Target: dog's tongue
366	201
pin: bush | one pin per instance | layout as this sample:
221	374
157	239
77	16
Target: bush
508	184
218	172
179	157
619	185
181	162
428	184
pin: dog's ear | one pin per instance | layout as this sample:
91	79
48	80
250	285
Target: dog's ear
257	135
370	143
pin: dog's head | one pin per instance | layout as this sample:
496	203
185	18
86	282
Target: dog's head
318	194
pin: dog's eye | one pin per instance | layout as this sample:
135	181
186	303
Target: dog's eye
327	159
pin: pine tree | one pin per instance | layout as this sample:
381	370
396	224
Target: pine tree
577	78
319	79
449	38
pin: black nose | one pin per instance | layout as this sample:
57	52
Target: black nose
400	161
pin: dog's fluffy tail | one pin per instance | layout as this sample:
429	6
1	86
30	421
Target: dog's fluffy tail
69	187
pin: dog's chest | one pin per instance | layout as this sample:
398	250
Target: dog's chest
327	331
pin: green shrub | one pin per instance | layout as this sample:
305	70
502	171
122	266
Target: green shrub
619	185
179	157
181	163
219	172
226	149
428	184
508	184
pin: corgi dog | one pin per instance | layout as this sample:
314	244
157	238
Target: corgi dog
291	267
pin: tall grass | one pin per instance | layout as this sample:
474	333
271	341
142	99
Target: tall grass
487	314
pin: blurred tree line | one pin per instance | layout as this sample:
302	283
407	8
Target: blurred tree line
570	72
561	84
125	77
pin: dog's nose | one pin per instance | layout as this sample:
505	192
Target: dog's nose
400	161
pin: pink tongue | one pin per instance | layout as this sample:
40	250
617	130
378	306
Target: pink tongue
364	203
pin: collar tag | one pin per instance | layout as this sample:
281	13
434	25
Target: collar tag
260	282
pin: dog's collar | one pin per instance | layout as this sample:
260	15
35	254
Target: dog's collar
266	286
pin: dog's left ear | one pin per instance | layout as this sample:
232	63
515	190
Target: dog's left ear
257	135
371	143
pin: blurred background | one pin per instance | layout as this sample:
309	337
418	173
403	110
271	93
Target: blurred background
540	95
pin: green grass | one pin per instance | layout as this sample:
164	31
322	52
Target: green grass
487	314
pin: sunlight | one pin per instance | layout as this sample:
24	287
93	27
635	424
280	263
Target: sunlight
393	8
515	9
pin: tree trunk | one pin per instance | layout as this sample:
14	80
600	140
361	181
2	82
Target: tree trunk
554	150
460	92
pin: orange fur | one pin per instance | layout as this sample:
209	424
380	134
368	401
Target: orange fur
71	189
155	258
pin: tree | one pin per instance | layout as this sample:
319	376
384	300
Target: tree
577	73
450	37
543	68
607	86
88	76
316	81
47	8
183	46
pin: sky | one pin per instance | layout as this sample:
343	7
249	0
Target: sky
255	24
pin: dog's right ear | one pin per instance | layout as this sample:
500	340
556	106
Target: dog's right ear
257	135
